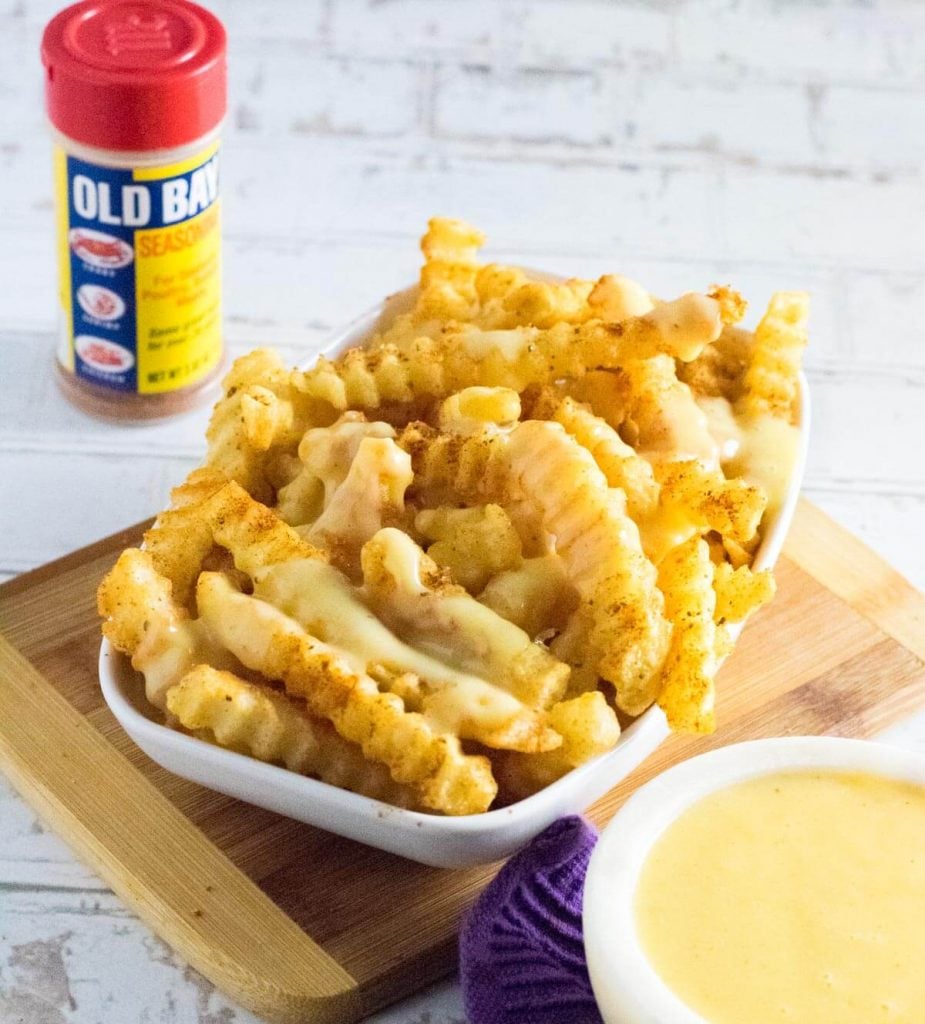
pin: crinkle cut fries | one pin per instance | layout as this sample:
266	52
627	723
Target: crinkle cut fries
439	569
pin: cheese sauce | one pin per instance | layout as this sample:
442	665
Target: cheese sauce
170	649
322	601
759	449
796	897
682	322
762	449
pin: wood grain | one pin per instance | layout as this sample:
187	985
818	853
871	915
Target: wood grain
303	925
156	860
851	570
773	145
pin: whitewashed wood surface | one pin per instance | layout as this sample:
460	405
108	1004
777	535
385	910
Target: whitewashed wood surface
771	143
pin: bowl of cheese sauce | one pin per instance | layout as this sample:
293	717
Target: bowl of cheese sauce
775	881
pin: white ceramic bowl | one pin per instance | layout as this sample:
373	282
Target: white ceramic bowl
429	839
626	985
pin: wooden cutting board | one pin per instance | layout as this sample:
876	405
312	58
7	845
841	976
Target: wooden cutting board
300	925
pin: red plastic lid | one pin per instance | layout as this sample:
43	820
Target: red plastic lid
134	74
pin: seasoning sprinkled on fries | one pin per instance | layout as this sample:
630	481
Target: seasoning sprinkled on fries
439	569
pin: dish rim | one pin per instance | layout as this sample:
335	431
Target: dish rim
627	986
640	738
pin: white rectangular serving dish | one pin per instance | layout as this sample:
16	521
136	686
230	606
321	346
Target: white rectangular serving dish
451	842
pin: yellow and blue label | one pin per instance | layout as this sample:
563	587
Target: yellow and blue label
140	272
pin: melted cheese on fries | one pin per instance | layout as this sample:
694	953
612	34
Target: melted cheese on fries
521	506
319	598
760	448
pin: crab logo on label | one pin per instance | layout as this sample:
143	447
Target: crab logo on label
103	355
100	250
100	302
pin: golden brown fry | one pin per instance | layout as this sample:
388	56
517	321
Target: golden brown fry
537	595
450	241
587	725
589	728
617	460
253	533
198	487
181	537
548	475
771	379
416	754
326	455
272	727
719	370
466	356
406	590
260	412
724	642
473	544
687	695
603	391
131	595
573	646
178	543
449	468
211	510
450	248
454	286
739	554
733	508
559	445
545	304
264	416
660	415
494	283
141	618
324	603
731	304
599	545
739	592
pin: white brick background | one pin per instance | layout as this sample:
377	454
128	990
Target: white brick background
768	143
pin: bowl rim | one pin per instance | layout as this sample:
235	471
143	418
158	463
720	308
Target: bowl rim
648	731
626	985
113	664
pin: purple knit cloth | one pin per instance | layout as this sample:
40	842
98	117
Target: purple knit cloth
521	953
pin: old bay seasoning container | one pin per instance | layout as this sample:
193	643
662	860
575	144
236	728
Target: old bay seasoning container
135	93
